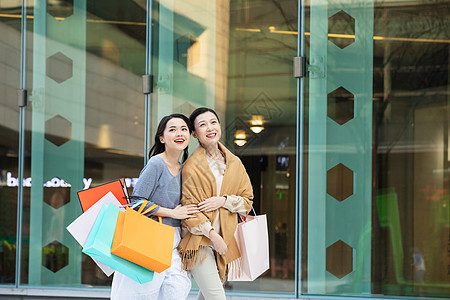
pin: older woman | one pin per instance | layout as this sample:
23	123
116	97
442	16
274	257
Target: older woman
215	180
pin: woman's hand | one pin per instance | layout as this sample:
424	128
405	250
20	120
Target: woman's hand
218	242
179	212
211	204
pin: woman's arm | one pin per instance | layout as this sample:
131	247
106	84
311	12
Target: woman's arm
219	244
238	203
211	204
235	204
179	212
201	229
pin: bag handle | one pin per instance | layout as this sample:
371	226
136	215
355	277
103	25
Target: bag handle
149	209
245	218
143	203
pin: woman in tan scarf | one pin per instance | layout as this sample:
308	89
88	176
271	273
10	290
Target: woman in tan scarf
215	180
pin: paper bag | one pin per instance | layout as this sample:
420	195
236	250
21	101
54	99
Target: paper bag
81	227
143	240
253	241
98	246
90	196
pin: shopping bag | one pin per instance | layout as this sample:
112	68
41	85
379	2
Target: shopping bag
143	240
81	227
253	241
98	246
90	196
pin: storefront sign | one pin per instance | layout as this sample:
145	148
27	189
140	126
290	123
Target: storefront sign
12	181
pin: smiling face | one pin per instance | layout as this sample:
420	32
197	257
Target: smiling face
207	129
176	135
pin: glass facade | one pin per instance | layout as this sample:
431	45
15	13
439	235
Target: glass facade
349	163
376	200
85	125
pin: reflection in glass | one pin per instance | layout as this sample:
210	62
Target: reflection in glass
262	92
236	57
261	107
114	145
411	118
86	124
409	183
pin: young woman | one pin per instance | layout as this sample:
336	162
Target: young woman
160	183
216	181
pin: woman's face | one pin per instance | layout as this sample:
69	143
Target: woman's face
176	135
207	129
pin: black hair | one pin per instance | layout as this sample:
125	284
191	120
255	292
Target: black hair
159	147
199	111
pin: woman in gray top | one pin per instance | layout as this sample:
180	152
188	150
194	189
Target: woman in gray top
160	183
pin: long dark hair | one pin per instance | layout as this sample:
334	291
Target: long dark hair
199	111
159	147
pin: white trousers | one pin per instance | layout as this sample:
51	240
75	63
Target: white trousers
207	277
172	283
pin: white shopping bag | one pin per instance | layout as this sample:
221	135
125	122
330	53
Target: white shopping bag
81	227
253	241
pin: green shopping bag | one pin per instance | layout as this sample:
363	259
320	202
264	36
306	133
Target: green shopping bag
99	242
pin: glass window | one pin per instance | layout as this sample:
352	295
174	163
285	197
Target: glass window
236	57
376	208
10	26
375	200
85	122
411	121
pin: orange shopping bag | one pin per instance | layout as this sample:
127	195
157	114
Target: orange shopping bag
90	196
142	240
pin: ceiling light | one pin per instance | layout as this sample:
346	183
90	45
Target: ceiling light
257	129
240	143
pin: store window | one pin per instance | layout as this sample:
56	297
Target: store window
375	196
411	121
85	115
376	204
236	57
85	125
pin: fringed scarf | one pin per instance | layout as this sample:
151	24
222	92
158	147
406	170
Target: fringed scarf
199	183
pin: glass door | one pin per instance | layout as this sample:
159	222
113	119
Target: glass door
236	57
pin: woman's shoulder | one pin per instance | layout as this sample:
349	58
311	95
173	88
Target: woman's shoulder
155	163
155	159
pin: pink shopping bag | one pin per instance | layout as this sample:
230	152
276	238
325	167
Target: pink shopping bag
253	241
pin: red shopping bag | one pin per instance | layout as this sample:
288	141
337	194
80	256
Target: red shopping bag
90	196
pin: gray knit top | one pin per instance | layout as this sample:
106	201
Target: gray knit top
157	185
